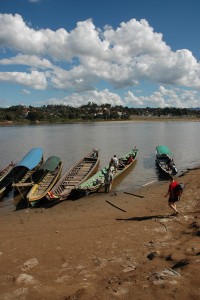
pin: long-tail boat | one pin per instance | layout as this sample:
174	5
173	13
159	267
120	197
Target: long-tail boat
24	170
45	177
164	160
97	181
76	175
6	179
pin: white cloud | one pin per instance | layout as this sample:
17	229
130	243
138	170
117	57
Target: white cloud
77	61
27	60
25	92
34	1
78	99
161	98
34	79
164	97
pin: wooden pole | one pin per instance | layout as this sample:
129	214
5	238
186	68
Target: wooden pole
115	206
140	196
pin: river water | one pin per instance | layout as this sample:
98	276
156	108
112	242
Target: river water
72	141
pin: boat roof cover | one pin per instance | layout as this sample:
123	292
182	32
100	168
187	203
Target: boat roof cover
51	163
163	150
31	159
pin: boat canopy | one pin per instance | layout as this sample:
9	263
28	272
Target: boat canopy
31	159
163	150
50	164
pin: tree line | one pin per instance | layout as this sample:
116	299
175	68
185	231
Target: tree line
88	112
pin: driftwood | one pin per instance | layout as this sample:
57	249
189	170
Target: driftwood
140	196
115	206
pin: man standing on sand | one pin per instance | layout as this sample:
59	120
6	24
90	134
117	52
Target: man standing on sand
115	162
108	180
173	197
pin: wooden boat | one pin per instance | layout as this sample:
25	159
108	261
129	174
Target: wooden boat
6	170
76	175
164	160
24	170
6	179
97	181
45	177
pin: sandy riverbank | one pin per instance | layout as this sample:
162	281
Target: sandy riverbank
133	118
88	249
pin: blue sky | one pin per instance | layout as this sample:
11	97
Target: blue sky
134	53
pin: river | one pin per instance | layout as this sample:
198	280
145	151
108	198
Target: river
72	141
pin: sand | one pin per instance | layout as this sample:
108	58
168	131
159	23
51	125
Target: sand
89	249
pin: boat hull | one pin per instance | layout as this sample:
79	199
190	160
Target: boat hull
96	182
163	157
76	175
24	170
48	176
6	180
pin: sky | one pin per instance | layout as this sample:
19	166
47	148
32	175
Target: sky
135	53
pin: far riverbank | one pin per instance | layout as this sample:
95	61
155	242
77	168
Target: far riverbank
133	118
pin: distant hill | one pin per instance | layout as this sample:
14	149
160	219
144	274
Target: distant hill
194	108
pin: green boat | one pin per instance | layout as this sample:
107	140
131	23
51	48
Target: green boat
164	160
97	181
45	177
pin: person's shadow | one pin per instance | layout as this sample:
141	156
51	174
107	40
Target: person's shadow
144	218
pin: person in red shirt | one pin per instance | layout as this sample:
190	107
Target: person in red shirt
173	197
129	160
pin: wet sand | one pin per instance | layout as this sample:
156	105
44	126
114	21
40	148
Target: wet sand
104	246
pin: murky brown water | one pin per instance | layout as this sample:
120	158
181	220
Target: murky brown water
72	141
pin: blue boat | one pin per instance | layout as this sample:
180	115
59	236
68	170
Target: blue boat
24	170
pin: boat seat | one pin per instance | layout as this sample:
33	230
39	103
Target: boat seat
74	180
